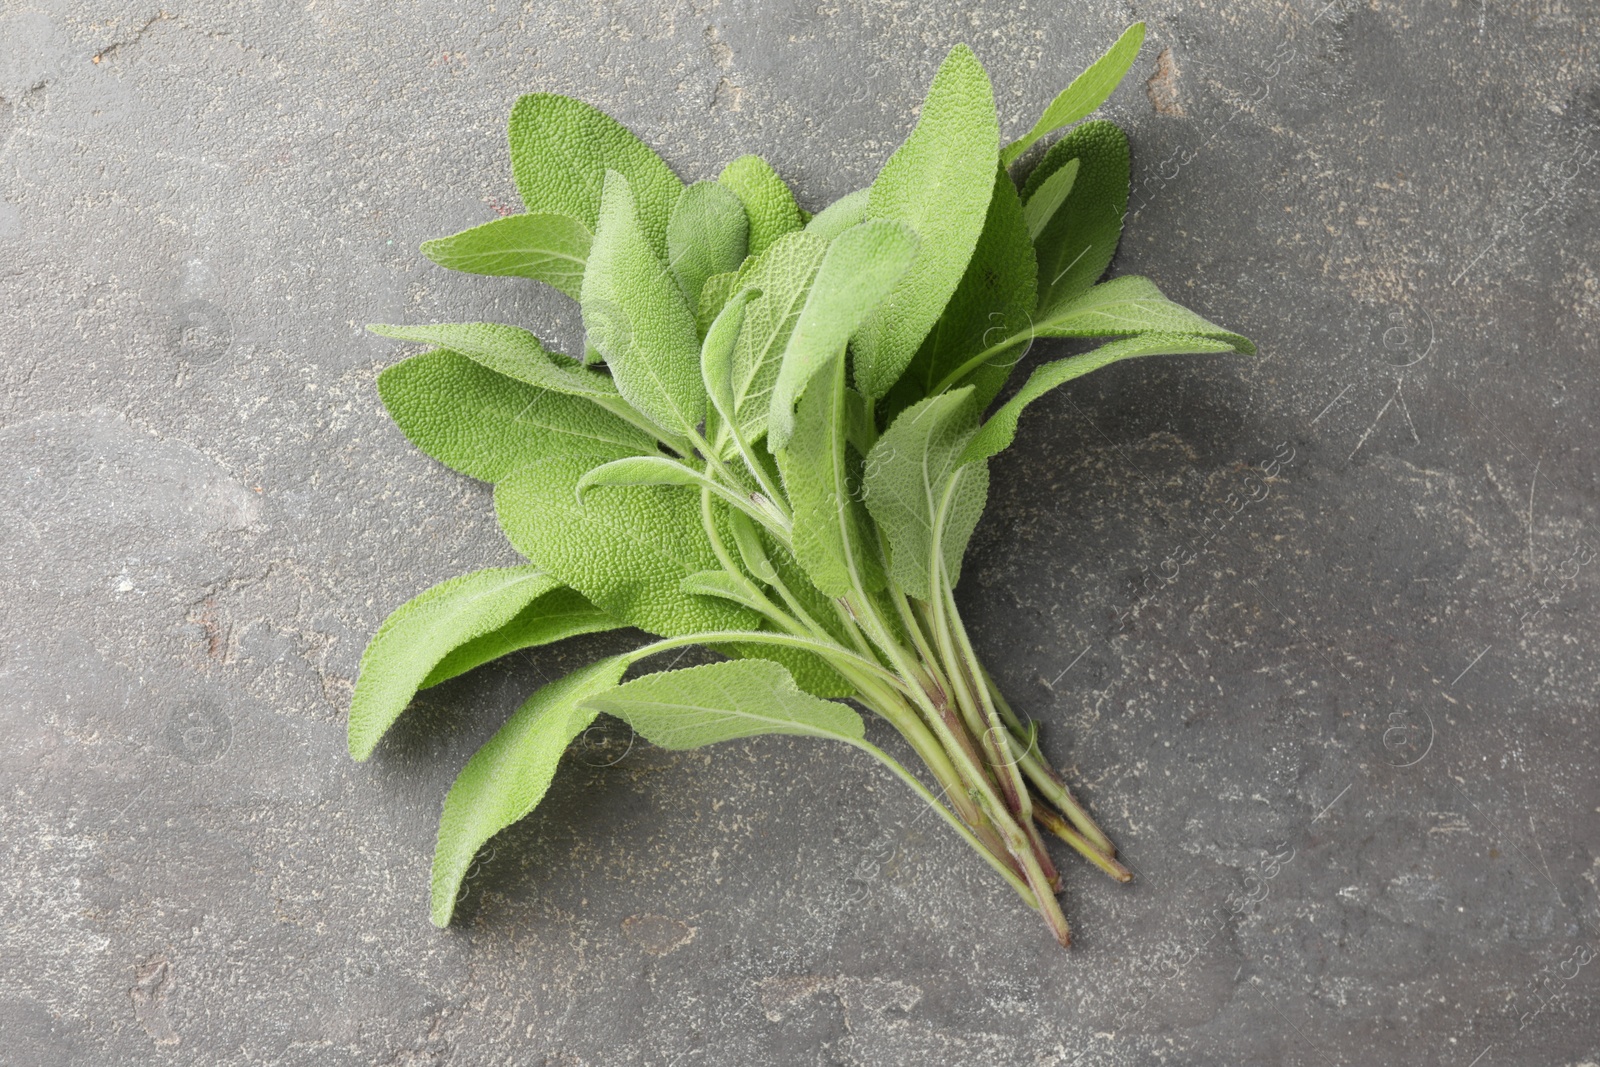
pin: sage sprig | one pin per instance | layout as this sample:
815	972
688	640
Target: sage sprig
775	445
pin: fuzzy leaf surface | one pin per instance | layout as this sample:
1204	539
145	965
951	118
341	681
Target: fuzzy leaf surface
423	631
627	549
486	425
831	536
547	248
708	234
1129	305
858	272
508	350
637	319
767	200
995	299
1076	245
725	701
557	614
506	778
924	493
561	149
998	433
839	216
939	183
1048	198
1088	91
783	275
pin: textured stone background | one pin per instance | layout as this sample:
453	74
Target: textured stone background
1349	744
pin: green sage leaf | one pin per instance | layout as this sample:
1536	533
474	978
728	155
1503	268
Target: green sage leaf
767	200
508	350
557	614
924	493
545	247
1077	243
708	234
725	701
832	539
1129	305
994	301
1088	91
426	629
626	549
638	320
998	433
839	216
939	183
860	269
561	149
1048	198
506	778
486	425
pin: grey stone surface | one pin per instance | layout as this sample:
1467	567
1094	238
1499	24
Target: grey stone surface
1341	722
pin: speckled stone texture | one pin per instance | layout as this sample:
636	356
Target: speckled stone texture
1341	721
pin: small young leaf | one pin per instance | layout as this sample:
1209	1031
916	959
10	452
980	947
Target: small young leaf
995	300
627	549
831	536
1048	198
547	248
486	425
939	183
508	350
1088	91
1126	306
860	269
724	701
423	631
924	493
638	321
998	433
713	295
649	470
1078	242
561	149
708	234
839	216
509	775
767	200
783	275
717	351
558	614
720	584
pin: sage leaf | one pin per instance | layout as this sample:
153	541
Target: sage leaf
924	493
713	295
767	200
994	301
561	149
939	183
506	778
717	352
839	216
538	245
1126	306
423	631
858	272
508	350
653	470
783	275
831	536
1048	198
708	234
558	614
486	425
720	584
700	706
626	549
1077	243
1088	91
638	320
997	433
